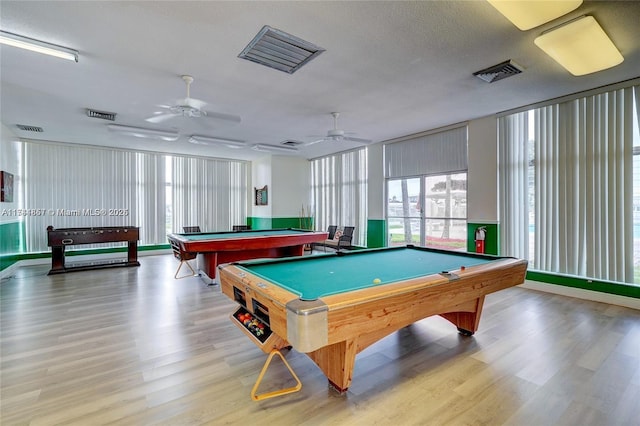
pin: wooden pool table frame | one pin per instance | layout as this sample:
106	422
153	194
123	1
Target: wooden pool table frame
333	329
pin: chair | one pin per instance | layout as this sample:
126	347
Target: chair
343	240
346	237
332	232
241	227
191	229
184	258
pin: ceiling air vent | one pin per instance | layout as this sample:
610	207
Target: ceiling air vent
291	142
30	128
498	72
111	116
279	50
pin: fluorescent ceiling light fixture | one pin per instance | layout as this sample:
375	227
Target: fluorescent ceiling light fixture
581	46
273	148
527	14
208	140
140	132
27	43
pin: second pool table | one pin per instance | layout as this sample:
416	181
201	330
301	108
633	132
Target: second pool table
333	306
215	248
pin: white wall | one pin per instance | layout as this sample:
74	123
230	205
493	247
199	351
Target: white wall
291	179
289	182
9	162
482	178
376	199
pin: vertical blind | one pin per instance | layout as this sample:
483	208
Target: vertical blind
209	193
339	192
513	160
81	186
582	193
78	186
438	153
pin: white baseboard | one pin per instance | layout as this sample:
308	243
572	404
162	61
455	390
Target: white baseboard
579	293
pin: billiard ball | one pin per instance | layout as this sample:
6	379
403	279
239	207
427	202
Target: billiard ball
377	281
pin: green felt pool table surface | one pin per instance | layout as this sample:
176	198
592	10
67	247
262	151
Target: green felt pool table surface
312	277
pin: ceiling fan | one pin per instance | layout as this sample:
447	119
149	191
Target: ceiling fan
338	135
191	108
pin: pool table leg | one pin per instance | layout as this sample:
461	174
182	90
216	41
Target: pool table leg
467	316
336	361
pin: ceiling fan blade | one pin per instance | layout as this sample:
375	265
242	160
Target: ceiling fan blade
359	140
222	116
160	118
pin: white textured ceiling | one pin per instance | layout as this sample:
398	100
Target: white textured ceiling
391	68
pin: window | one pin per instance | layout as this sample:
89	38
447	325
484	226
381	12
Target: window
427	190
73	185
569	186
429	211
80	186
339	192
209	193
445	211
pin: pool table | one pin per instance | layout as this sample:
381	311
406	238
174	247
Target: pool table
332	306
216	248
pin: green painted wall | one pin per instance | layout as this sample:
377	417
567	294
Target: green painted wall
279	223
259	222
492	238
10	243
10	238
291	222
376	233
585	284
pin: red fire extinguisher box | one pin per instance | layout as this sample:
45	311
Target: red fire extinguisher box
482	238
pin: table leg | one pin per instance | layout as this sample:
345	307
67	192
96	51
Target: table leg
132	252
57	259
336	361
468	318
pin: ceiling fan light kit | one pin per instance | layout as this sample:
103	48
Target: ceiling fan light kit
140	132
190	108
186	110
38	46
336	134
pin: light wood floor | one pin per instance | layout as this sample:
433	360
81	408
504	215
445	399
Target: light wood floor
133	346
